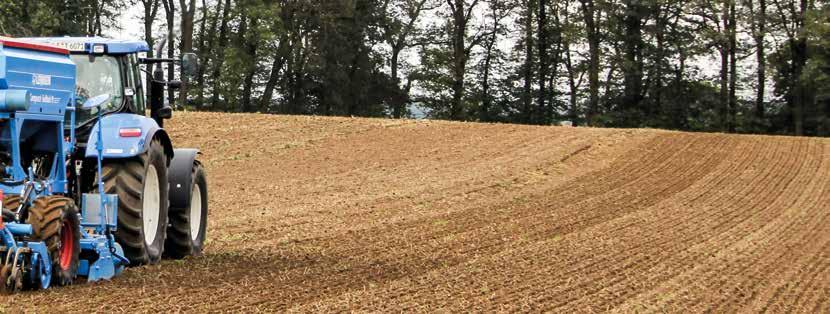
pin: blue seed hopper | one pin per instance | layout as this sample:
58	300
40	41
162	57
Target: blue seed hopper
45	238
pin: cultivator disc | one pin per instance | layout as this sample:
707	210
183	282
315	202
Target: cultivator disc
13	274
8	283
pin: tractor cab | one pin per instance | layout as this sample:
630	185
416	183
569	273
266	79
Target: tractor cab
116	67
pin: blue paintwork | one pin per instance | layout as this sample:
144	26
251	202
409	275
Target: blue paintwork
39	257
46	82
12	100
114	46
107	264
49	79
19	229
116	146
92	216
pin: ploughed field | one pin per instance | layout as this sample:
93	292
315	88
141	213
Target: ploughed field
330	214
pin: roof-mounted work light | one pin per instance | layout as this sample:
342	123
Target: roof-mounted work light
99	48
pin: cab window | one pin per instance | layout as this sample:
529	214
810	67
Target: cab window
135	86
98	76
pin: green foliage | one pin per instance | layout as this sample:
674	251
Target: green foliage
58	17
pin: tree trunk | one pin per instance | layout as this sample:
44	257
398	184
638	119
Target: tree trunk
723	111
573	112
799	97
759	32
251	44
484	111
723	48
655	110
459	58
397	45
397	106
188	12
205	54
593	59
733	68
681	119
150	11
170	14
220	56
528	67
279	61
632	66
798	50
543	62
553	76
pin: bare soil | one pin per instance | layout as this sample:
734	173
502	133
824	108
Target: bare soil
338	214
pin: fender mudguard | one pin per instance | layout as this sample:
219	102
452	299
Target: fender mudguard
180	176
116	146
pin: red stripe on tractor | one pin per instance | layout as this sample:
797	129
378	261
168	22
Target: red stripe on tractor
14	43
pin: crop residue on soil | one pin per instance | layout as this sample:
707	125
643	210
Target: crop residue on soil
325	214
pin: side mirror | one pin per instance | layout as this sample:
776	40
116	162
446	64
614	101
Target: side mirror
96	102
190	65
165	112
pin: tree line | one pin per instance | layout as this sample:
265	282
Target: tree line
745	66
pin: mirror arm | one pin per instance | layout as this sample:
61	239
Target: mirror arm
158	60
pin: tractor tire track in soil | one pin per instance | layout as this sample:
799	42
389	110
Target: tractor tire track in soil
334	214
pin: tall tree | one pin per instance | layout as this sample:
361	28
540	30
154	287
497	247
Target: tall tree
187	10
529	62
544	62
498	11
284	26
170	17
590	17
151	8
792	15
732	26
570	34
634	12
758	27
398	30
461	46
219	58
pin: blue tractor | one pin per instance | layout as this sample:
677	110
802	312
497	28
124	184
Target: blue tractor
90	183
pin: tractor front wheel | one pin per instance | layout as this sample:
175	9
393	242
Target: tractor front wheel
142	188
55	222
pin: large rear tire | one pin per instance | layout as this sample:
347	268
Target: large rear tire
142	189
188	226
10	205
55	221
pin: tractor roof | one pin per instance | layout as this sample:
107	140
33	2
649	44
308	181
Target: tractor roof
86	44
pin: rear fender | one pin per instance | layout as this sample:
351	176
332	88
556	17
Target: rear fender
116	146
180	175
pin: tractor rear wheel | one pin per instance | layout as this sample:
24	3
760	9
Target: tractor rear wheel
186	233
142	189
55	222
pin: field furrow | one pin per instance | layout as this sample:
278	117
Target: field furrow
340	214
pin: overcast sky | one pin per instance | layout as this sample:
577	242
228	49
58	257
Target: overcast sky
130	22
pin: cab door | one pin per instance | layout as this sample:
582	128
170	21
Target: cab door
134	91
